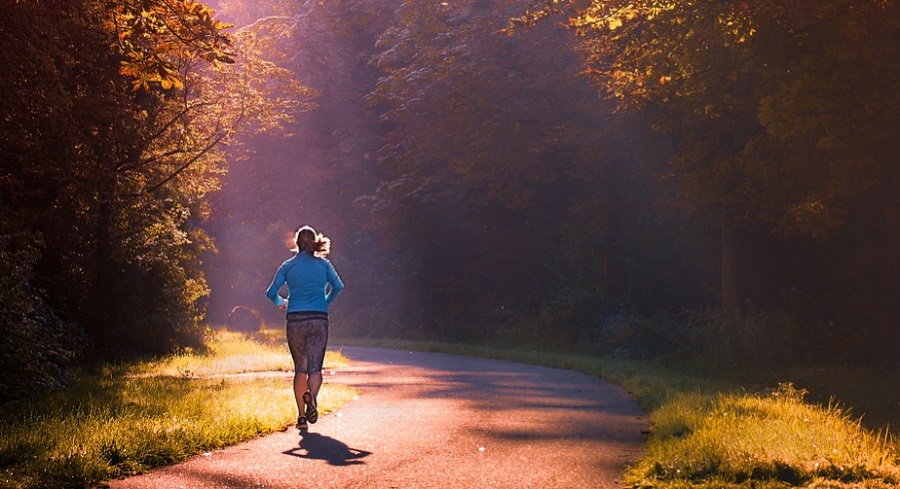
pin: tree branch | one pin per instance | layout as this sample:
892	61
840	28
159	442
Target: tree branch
185	166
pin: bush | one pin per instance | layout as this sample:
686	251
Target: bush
711	339
35	344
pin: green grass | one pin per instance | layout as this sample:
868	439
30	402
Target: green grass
231	353
706	433
717	434
129	418
744	440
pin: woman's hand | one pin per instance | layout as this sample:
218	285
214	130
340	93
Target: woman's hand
283	306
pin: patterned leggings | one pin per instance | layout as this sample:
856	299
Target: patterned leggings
307	337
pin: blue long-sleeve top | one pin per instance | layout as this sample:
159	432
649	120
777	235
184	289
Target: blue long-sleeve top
312	283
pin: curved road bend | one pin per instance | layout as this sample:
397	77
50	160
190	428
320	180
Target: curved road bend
429	420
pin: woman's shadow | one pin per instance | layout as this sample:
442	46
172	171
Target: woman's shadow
320	447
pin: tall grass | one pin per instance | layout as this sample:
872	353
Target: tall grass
713	433
126	419
742	439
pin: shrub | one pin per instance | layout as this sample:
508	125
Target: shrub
35	344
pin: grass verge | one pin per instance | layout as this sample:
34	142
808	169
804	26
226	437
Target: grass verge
717	434
230	353
125	419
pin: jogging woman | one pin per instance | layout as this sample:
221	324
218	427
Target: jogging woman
312	285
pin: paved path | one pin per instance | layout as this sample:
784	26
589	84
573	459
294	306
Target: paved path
427	420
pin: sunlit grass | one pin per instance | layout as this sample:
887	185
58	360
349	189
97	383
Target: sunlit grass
712	434
742	439
232	353
116	423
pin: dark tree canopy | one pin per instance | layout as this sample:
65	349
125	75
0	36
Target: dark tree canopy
112	136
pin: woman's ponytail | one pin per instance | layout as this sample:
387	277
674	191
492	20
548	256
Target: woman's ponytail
314	243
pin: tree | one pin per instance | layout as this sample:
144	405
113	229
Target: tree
113	181
36	346
505	172
156	36
783	110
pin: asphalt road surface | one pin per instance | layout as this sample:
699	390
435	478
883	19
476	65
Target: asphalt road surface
429	420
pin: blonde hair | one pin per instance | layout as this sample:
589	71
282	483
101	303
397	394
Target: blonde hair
314	243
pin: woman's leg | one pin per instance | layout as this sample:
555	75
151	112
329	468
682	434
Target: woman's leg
316	343
315	383
297	344
300	387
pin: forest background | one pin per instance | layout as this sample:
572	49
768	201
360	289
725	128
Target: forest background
684	182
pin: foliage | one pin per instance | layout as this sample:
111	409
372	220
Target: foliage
35	345
511	183
243	13
155	36
484	193
487	193
116	118
782	117
769	81
705	341
82	187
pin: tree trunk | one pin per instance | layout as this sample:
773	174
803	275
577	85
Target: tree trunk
750	259
730	285
99	316
611	239
889	321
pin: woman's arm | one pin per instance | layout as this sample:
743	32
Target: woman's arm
272	292
336	286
